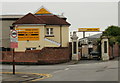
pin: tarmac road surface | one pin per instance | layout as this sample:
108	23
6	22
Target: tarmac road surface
84	70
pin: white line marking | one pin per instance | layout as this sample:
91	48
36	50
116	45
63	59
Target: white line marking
67	69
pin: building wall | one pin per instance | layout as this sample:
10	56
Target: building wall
0	33
65	36
5	32
84	50
56	32
57	35
22	45
62	37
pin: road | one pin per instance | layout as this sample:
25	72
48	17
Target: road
85	70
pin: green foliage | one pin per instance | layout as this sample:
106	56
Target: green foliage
113	32
112	41
118	39
98	40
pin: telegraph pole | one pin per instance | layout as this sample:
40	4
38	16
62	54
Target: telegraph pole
13	62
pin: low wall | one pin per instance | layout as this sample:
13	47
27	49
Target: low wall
19	57
54	55
48	55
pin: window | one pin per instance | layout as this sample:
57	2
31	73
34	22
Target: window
49	31
30	48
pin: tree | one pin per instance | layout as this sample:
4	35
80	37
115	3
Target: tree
113	32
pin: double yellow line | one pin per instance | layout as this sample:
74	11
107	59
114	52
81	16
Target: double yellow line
38	74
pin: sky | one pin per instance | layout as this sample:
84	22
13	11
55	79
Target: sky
80	13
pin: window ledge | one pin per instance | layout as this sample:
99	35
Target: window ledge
49	35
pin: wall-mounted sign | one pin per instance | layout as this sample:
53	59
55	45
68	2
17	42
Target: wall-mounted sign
88	29
28	34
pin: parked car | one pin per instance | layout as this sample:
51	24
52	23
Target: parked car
95	54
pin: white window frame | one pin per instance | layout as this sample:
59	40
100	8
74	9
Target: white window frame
49	32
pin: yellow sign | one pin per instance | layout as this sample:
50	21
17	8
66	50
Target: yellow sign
43	11
28	34
88	29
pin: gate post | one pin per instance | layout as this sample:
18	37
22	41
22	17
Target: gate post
75	47
105	48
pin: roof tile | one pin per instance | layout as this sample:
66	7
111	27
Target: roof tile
41	19
53	20
30	19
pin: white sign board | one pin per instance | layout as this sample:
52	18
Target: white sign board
13	39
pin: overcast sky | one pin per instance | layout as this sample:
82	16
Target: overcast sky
80	14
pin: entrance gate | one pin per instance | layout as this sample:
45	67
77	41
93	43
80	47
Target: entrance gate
86	49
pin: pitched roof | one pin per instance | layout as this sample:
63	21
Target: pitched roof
53	20
41	19
30	19
95	36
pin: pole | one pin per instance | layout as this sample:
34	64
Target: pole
83	34
13	63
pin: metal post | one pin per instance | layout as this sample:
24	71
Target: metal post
83	34
13	63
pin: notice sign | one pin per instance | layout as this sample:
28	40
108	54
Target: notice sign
13	36
88	29
13	39
14	44
28	34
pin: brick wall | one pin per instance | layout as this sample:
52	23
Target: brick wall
20	57
114	51
48	55
54	55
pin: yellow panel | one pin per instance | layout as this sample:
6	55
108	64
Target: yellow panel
30	34
88	29
43	11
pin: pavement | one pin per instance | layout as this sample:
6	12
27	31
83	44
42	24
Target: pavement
27	77
21	77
